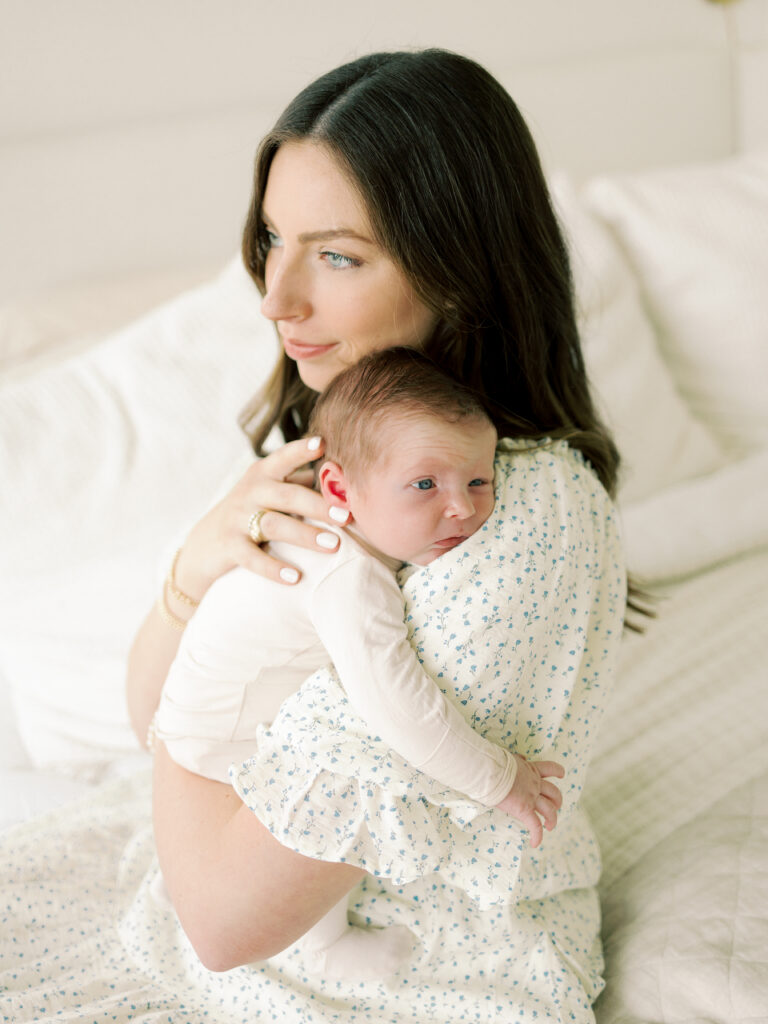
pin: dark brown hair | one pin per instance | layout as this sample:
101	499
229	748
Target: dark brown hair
357	403
454	190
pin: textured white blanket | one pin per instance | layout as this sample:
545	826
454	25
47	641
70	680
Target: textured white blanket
677	794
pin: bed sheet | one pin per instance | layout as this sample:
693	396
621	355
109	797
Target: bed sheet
686	928
678	793
688	722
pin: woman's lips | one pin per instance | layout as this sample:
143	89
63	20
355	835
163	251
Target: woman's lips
301	350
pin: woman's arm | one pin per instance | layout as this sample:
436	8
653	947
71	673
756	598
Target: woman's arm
240	895
149	660
218	543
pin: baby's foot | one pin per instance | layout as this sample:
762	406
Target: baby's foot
363	954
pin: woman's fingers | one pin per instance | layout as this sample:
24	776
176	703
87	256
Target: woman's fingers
257	560
281	484
287	497
291	498
281	463
277	485
278	526
304	477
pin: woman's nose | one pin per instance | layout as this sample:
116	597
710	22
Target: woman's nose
286	297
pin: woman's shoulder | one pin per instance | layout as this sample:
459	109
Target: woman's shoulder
547	491
546	470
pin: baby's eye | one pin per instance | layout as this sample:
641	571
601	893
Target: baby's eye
339	262
423	485
477	482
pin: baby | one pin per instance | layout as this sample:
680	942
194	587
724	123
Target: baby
410	454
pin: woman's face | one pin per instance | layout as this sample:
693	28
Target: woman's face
332	291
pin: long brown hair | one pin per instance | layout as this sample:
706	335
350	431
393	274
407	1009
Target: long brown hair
456	196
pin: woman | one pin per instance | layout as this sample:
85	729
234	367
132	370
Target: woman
398	200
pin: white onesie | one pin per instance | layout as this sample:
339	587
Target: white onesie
252	643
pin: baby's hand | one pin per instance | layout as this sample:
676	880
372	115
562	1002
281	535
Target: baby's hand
532	799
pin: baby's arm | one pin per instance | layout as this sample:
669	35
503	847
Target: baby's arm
358	612
244	651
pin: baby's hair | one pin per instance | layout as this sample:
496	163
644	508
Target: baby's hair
348	415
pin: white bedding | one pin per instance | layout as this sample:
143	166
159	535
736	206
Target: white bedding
677	793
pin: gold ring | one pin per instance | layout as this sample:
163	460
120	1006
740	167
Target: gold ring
254	527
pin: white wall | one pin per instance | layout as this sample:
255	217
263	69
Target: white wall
127	129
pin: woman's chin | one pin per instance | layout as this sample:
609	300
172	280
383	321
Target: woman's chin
316	378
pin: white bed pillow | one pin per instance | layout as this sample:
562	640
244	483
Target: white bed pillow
41	330
697	238
660	440
104	458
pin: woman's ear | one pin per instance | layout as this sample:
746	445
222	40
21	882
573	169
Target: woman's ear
333	484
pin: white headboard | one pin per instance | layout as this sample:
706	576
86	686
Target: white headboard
127	130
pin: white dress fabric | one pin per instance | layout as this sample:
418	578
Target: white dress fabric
500	934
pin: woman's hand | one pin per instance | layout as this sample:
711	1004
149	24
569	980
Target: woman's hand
279	483
532	799
219	542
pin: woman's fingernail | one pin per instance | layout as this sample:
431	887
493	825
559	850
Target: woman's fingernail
338	515
289	575
327	540
314	443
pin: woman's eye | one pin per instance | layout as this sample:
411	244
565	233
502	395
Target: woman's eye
423	485
269	240
339	262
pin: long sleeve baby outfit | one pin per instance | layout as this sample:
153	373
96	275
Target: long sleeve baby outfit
251	644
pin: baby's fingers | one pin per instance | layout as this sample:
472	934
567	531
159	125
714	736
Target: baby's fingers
547	811
549	768
550	792
535	831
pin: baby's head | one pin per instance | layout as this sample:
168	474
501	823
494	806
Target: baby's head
408	451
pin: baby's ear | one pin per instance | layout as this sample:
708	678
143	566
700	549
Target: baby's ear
333	484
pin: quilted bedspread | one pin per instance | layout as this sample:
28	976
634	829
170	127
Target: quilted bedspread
679	796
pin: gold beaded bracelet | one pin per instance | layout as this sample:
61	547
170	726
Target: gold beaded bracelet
170	581
167	615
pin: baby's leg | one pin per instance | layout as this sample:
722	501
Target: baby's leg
336	950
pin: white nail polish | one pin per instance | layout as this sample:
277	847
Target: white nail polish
314	443
339	515
289	575
327	540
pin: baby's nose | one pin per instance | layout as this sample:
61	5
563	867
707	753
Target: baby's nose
460	506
